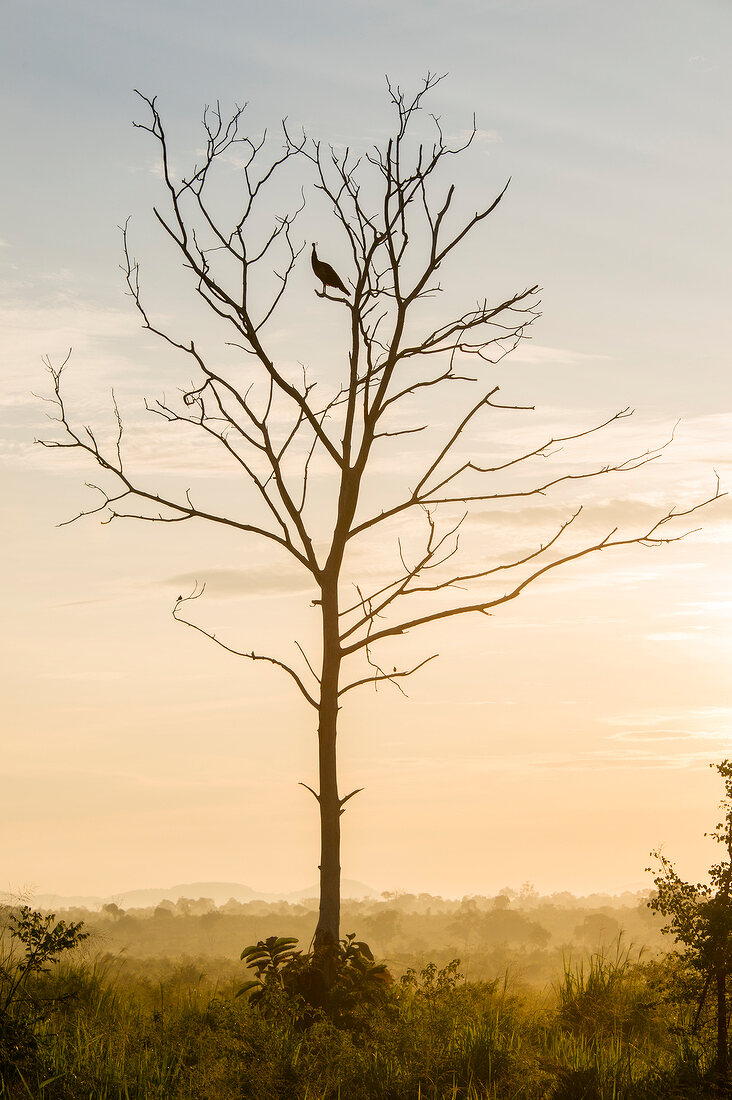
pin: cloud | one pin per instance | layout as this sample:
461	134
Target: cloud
155	168
616	757
609	511
708	607
85	675
653	737
83	603
528	352
677	635
694	724
480	136
49	324
613	759
258	580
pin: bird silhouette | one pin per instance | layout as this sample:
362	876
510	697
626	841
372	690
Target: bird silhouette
327	275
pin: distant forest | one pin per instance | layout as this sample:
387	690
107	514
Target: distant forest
518	934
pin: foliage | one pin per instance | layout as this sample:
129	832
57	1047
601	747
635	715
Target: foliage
166	1031
607	993
43	940
268	958
699	915
409	929
339	981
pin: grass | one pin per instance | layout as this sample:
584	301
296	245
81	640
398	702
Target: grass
612	1028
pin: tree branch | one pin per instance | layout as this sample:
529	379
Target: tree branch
650	538
251	656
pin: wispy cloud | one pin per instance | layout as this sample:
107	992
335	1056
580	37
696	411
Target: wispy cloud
677	635
529	352
222	584
55	322
615	758
481	137
700	63
653	738
612	759
722	607
712	724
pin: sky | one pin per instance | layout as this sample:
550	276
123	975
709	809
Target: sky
558	741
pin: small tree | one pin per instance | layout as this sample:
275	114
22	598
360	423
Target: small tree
398	225
700	917
34	946
43	940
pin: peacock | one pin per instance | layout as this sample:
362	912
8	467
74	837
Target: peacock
327	275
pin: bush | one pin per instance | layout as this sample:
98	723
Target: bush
342	982
36	942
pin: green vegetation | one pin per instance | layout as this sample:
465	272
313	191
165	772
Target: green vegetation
340	981
700	917
521	932
613	1023
552	1002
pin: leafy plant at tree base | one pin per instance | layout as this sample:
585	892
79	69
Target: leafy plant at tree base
269	959
337	980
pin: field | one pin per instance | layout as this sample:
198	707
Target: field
551	1000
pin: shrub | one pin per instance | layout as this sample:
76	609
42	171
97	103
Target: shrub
341	982
42	940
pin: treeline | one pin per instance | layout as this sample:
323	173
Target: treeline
526	934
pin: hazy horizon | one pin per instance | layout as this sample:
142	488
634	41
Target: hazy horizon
351	889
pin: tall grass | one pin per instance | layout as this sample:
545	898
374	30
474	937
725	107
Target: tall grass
609	1030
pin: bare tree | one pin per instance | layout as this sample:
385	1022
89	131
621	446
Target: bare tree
399	225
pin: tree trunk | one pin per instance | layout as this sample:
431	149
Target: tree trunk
327	932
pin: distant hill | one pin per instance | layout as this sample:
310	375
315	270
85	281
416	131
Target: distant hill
219	892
